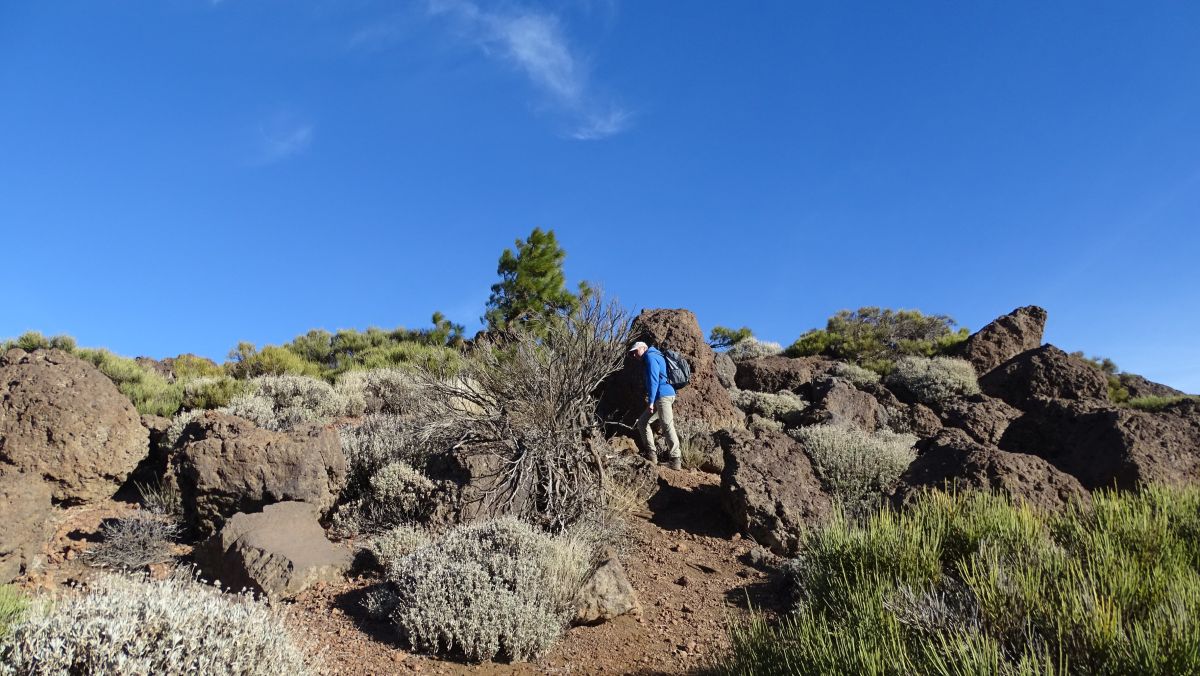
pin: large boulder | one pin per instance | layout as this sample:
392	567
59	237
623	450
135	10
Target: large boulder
1107	447
769	488
65	421
953	460
25	511
984	418
278	552
726	370
606	595
1006	337
225	464
777	373
1045	373
703	399
837	402
915	418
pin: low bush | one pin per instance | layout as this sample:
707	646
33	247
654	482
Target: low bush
128	625
386	390
247	361
148	390
696	444
134	541
857	375
1156	404
500	589
211	392
396	543
974	584
933	381
783	407
753	348
857	466
386	483
875	338
189	367
34	340
12	607
283	401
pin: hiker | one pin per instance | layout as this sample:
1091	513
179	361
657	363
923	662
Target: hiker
660	397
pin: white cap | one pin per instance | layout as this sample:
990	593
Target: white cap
637	345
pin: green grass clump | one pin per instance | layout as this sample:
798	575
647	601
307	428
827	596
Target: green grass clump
1156	404
974	584
149	391
12	607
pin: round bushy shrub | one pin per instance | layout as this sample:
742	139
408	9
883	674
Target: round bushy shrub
210	392
784	407
857	375
283	401
753	348
397	543
934	381
495	589
138	626
387	390
856	465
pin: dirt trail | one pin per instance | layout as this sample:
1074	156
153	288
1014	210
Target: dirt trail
686	562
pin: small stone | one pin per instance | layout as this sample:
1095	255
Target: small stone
683	581
679	547
71	554
743	574
686	608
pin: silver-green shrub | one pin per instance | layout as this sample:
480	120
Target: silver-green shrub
397	543
127	626
857	375
281	402
496	589
391	390
856	465
753	348
784	407
933	381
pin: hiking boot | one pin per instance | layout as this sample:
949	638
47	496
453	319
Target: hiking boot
674	463
650	457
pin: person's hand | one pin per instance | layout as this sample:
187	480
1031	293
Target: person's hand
651	408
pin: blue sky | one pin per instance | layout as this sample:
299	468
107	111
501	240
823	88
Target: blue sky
179	175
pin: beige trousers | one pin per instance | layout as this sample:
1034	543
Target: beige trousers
666	417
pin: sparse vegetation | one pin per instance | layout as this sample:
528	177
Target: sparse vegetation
389	390
497	589
13	605
973	584
281	402
1156	404
934	381
129	625
875	338
856	466
1117	392
783	407
211	392
133	541
857	375
753	348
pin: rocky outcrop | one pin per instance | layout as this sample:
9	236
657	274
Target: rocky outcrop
607	594
1045	373
25	511
726	370
837	402
983	418
65	421
953	460
225	465
1138	386
1110	447
1006	337
278	552
704	399
769	489
774	374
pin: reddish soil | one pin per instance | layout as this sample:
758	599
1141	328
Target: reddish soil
690	569
687	564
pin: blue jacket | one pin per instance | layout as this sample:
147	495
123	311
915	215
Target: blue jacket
657	386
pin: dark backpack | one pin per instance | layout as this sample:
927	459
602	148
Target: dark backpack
679	371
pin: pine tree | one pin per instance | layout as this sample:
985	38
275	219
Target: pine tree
532	285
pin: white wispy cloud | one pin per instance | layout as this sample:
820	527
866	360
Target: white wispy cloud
282	137
537	45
